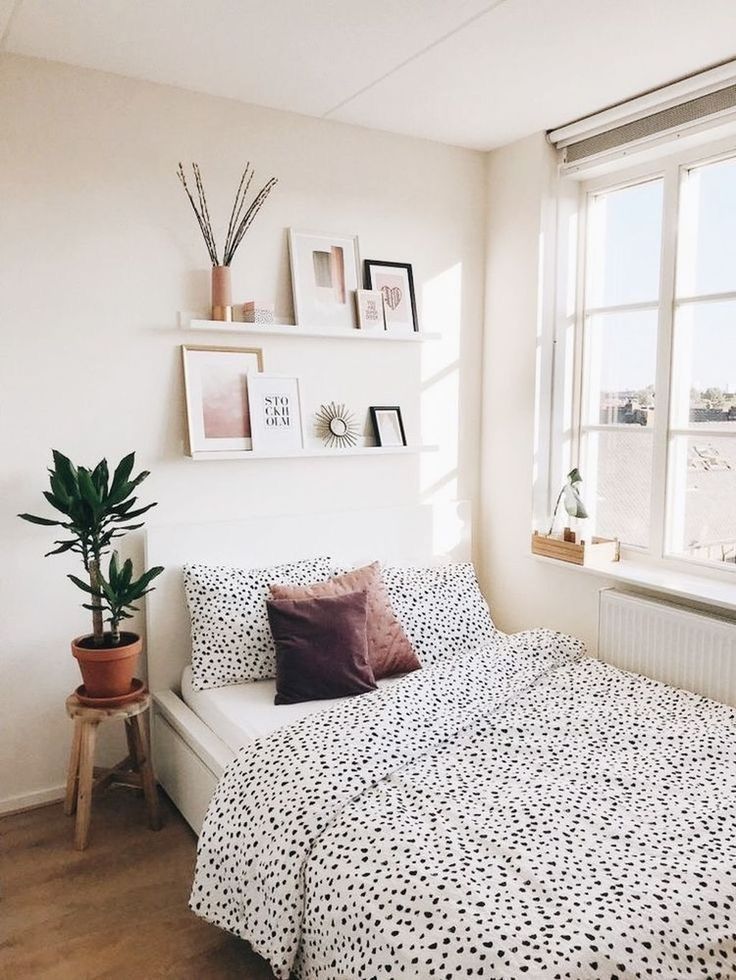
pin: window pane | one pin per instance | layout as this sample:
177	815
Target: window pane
618	467
624	244
702	497
621	360
707	229
704	365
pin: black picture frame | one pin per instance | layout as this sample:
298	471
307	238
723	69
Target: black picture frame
368	282
374	410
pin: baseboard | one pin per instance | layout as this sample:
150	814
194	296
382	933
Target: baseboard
29	801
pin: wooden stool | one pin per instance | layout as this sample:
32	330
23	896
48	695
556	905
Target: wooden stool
84	778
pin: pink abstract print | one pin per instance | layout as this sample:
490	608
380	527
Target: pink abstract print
224	401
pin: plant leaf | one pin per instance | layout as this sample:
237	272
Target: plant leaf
149	576
122	472
56	504
132	514
88	489
63	546
84	586
66	471
44	521
100	477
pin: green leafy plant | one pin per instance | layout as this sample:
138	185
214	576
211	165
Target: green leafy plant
118	592
96	509
570	497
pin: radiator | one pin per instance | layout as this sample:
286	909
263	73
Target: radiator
670	643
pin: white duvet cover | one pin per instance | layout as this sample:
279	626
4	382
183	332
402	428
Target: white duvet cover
520	811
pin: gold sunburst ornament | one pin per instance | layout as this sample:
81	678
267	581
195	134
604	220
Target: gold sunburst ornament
336	426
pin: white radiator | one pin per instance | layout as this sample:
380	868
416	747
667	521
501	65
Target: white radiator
670	643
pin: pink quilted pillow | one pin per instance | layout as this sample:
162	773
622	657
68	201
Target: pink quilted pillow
389	650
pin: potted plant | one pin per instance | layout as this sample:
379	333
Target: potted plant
96	510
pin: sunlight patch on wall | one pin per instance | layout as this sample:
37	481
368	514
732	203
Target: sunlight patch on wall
440	374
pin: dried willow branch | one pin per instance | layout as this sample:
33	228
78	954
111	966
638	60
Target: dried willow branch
200	217
240	218
238	204
204	208
247	220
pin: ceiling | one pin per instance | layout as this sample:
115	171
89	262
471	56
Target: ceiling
476	73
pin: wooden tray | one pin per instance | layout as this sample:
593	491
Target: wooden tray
596	553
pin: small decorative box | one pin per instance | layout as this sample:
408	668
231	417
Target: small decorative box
257	312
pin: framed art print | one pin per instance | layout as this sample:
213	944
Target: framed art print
369	304
395	281
388	426
324	274
216	392
275	413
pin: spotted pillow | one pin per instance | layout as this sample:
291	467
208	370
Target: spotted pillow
441	609
231	638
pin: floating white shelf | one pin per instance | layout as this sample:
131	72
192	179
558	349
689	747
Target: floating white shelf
189	322
314	452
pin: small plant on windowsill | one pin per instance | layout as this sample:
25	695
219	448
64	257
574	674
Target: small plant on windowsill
569	495
598	551
97	510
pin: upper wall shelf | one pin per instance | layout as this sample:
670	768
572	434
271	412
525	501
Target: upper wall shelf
189	322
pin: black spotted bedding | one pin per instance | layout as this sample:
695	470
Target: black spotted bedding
517	811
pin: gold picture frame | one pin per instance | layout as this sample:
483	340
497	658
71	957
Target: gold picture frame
216	397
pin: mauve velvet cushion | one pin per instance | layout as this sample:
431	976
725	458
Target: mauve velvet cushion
321	647
389	649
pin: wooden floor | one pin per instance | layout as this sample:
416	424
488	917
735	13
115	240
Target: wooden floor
118	909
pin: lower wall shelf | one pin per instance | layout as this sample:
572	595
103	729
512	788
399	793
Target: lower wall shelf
311	453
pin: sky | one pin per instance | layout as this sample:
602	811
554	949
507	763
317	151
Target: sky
625	237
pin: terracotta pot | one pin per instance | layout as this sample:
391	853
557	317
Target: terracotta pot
107	671
222	296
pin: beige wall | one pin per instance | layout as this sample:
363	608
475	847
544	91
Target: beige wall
98	251
526	592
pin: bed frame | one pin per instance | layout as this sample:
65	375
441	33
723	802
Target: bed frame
188	756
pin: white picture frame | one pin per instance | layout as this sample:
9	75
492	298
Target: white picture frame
275	413
325	272
216	396
369	307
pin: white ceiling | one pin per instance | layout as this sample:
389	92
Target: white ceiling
477	73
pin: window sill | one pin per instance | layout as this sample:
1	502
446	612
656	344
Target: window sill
673	584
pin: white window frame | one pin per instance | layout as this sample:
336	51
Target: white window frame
568	356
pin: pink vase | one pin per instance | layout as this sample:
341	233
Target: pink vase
222	299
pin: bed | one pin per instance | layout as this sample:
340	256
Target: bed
190	755
519	810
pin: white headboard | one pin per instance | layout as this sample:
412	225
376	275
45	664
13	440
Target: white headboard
419	534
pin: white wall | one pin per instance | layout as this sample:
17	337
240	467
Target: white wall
521	226
98	251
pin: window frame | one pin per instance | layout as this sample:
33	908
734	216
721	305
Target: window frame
672	169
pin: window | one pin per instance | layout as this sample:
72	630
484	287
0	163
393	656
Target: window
656	382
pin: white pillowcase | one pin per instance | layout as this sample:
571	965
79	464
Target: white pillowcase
440	608
231	638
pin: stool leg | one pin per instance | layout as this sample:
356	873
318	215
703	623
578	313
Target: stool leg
146	770
132	748
84	797
72	776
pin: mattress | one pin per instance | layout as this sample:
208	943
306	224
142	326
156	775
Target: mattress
240	713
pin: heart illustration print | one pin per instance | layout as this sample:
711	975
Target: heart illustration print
394	295
391	296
